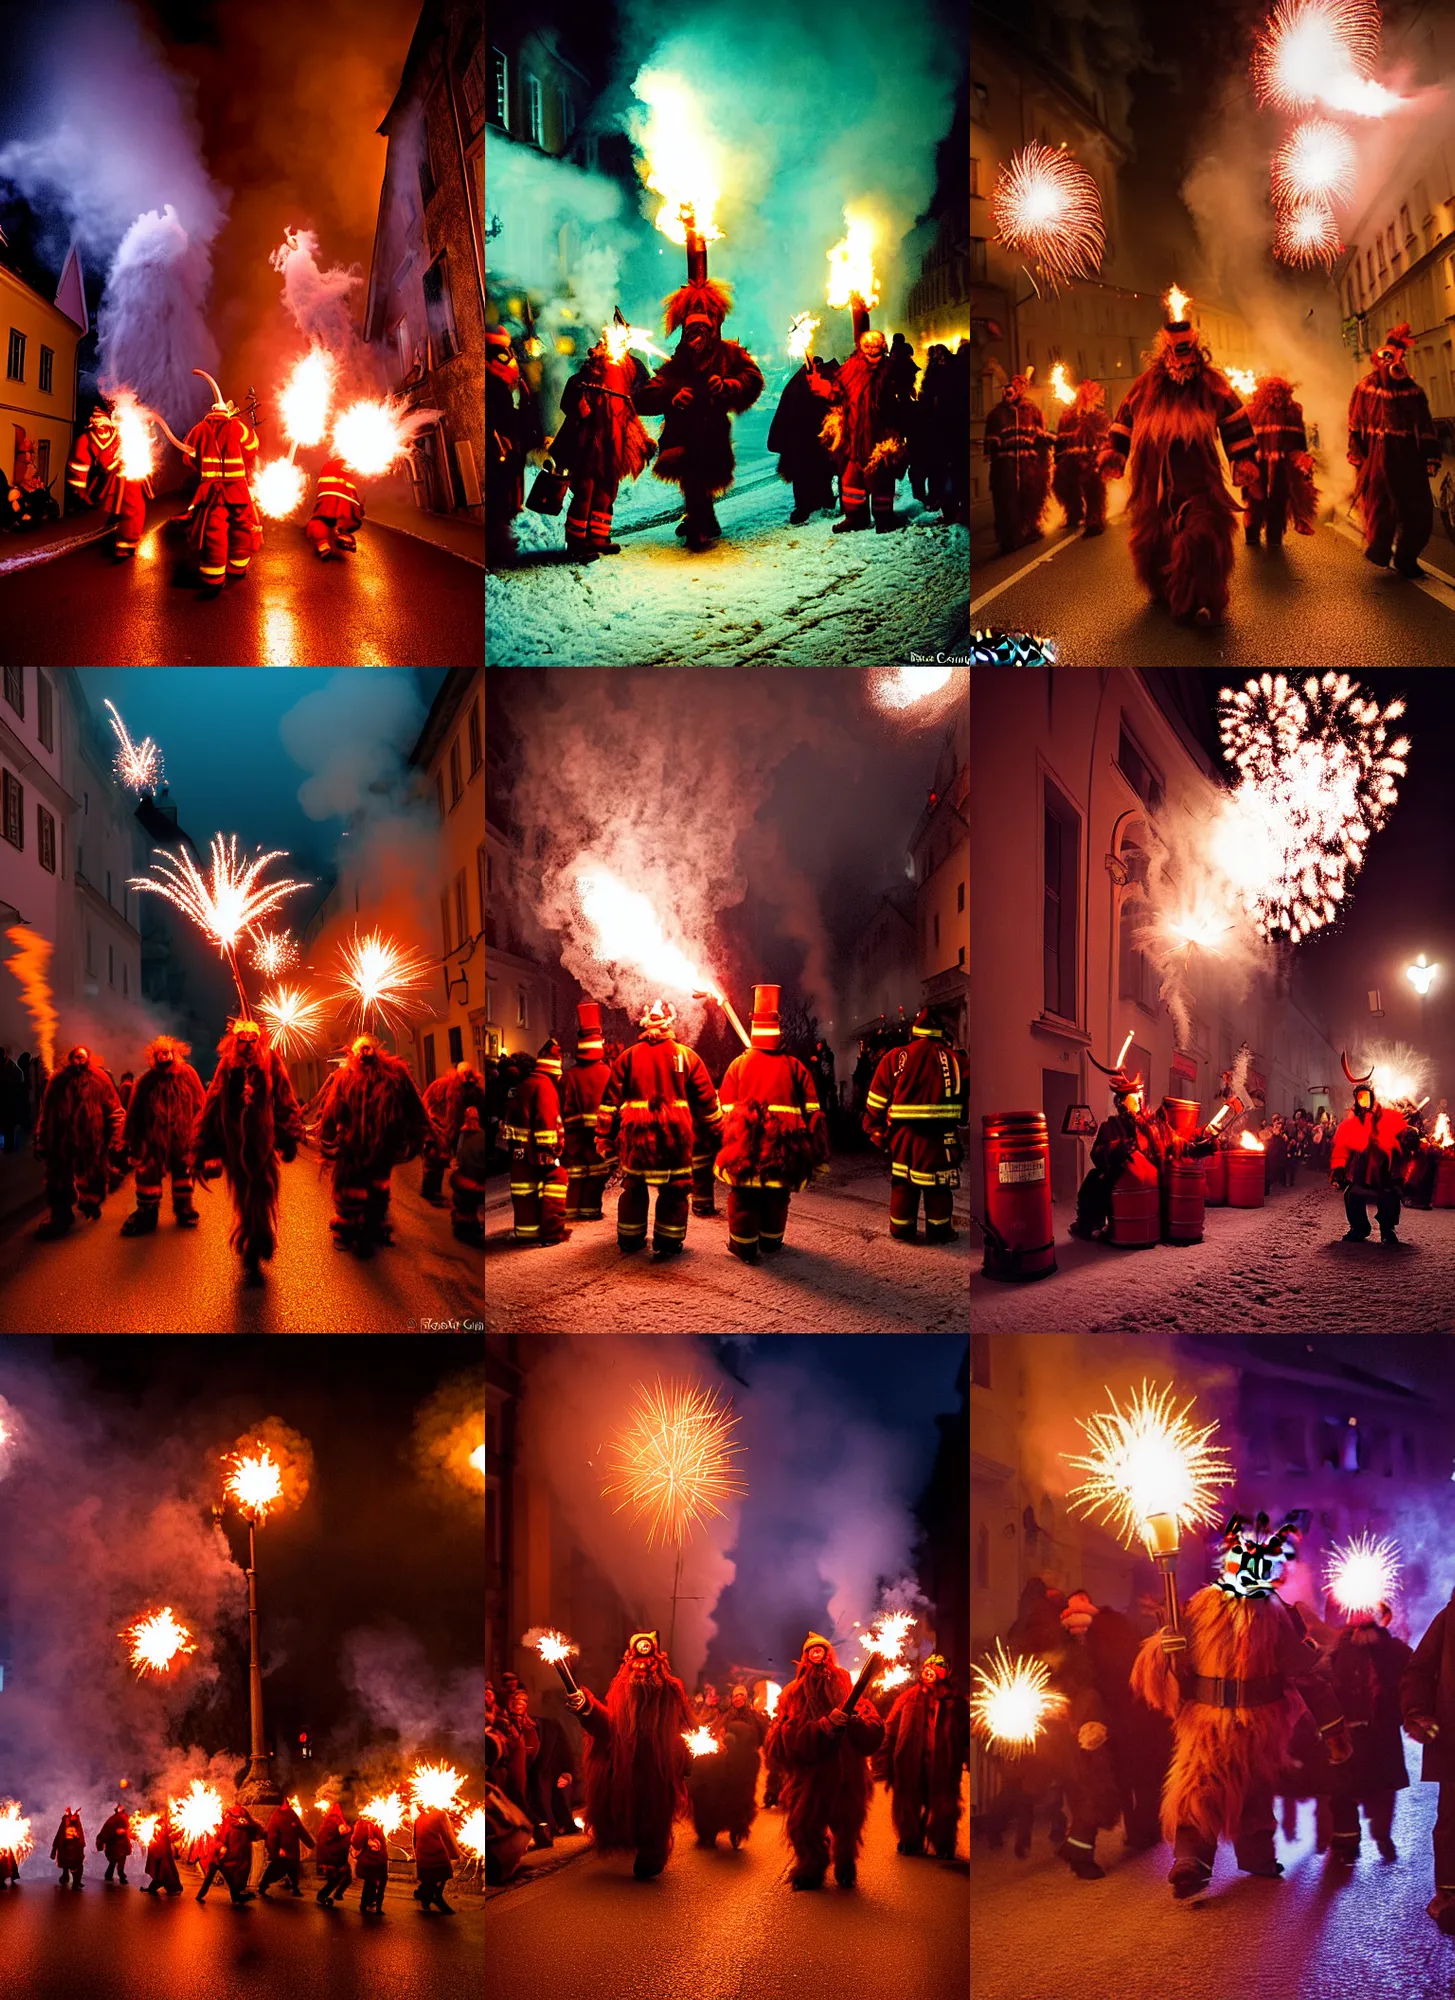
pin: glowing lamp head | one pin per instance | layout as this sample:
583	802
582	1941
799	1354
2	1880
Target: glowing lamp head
1421	975
256	1481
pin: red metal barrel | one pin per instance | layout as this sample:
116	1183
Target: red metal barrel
1183	1202
1136	1206
1246	1172
1019	1237
1444	1195
1182	1114
1215	1179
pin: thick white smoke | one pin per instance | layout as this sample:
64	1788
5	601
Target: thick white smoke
399	1690
152	329
320	303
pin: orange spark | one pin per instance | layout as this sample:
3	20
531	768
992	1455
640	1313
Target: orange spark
157	1641
255	1482
674	1460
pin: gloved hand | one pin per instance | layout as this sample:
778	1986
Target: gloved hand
682	398
1340	1178
1091	1735
836	1719
577	1702
714	385
1340	1745
1423	1728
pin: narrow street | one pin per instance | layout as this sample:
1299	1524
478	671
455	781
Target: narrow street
838	1272
724	1923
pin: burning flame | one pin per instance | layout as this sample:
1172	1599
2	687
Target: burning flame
231	902
28	966
256	1482
1200	927
305	400
279	488
801	329
157	1640
1362	1573
138	765
435	1788
134	431
851	264
629	933
886	1636
619	338
553	1646
370	435
682	162
471	1833
144	1829
1244	380
1441	1136
198	1813
895	1677
1148	1460
701	1742
1249	1144
14	1831
1060	387
674	1460
477	1458
770	1697
1177	303
902	687
378	976
388	1814
1013	1702
295	1022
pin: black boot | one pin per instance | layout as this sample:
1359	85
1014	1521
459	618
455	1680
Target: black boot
141	1222
184	1212
59	1224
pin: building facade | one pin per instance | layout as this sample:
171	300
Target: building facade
1084	763
524	997
35	814
884	976
38	388
940	848
450	761
425	314
108	847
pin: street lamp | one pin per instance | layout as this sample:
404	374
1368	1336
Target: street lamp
1422	977
255	1484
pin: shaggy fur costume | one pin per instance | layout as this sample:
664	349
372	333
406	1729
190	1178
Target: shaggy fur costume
636	1762
1219	1754
926	1747
80	1123
825	1786
370	1117
249	1116
447	1100
696	445
1392	444
609	443
723	1786
658	1094
869	422
1286	487
1183	518
761	1146
163	1110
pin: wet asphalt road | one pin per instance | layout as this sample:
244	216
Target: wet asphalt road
116	1944
396	602
1318	603
189	1281
719	1925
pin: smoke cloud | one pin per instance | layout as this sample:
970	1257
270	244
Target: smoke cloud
398	1689
320	302
152	329
352	736
1183	888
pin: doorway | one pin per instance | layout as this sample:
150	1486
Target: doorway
1058	1094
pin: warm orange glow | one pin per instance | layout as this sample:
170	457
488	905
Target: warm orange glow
1014	1701
471	1833
157	1641
770	1697
553	1646
628	932
1441	1136
256	1481
198	1812
273	952
305	400
1061	389
894	1678
14	1830
477	1458
673	1460
851	263
144	1830
378	976
1177	302
1249	1144
1148	1460
294	1020
801	330
28	966
619	337
279	488
681	160
701	1742
886	1636
231	902
435	1788
372	433
134	430
387	1813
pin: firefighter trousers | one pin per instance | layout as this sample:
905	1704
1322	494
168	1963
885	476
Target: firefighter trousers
129	518
588	521
704	1200
757	1216
585	1186
327	533
539	1200
857	489
225	546
669	1226
904	1210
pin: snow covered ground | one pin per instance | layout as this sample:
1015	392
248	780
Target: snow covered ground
766	593
1277	1269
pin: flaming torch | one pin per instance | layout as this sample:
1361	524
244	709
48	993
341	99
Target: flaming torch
1442	1136
701	1742
1176	302
231	902
134	431
157	1641
801	329
629	933
619	336
144	1829
1152	1474
1244	380
883	1641
15	1839
254	1484
1362	1573
556	1648
376	976
28	967
681	162
770	1697
1014	1701
1047	206
1061	389
852	282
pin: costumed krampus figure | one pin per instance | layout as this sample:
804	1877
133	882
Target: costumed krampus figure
446	1100
1395	452
582	1089
1128	1143
1368	1160
1427	1695
115	1842
636	1759
774	1134
803	459
658	1109
369	1118
825	1757
1081	436
94	478
332	1856
1285	489
723	1784
230	1854
68	1849
285	1836
705	380
435	1852
1366	1663
1183	516
533	1131
159	1123
926	1747
1018	452
78	1136
866	432
1234	1693
369	1849
161	1859
248	1121
601	441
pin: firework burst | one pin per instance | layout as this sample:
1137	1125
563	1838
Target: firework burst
234	900
15	1837
197	1813
273	952
1013	1702
1148	1459
1362	1573
1307	234
256	1480
435	1788
1314	163
294	1021
157	1641
1047	206
673	1460
376	976
1318	774
138	765
386	1812
1316	52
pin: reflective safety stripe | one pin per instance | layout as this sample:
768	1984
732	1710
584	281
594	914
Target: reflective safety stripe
741	1239
206	569
553	1194
898	1172
785	1109
730	1107
933	1034
545	1138
671	1229
631	1229
903	1112
771	1235
531	1229
876	1098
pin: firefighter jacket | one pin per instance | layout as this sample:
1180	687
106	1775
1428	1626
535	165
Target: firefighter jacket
658	1096
222	452
532	1126
336	497
913	1107
1368	1152
582	1089
94	473
774	1132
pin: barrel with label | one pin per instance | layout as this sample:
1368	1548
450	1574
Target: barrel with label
1215	1178
1444	1195
1182	1115
1247	1172
1136	1206
1183	1201
1020	1240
